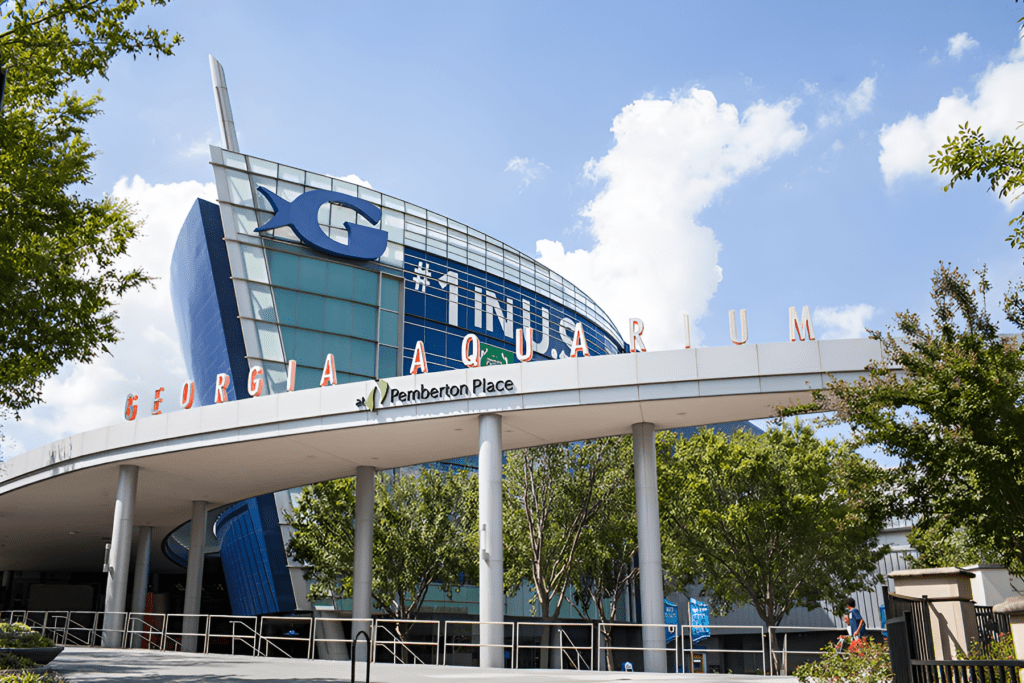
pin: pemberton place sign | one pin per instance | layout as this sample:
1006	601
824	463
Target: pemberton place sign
800	329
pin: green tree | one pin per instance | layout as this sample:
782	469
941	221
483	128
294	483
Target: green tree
552	496
969	155
949	403
59	251
779	520
424	535
943	544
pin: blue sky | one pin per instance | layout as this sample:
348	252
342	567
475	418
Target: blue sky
636	148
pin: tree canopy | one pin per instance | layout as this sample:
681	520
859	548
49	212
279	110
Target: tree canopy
778	520
424	534
949	403
60	270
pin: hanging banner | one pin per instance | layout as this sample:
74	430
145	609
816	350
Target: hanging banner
699	620
671	619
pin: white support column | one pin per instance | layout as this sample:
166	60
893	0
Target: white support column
652	592
120	554
141	584
362	564
194	574
492	597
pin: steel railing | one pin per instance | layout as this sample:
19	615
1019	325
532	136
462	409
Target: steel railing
689	651
574	650
474	631
785	651
399	646
605	629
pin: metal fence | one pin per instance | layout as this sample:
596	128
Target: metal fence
567	645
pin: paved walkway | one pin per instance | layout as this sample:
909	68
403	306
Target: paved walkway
94	665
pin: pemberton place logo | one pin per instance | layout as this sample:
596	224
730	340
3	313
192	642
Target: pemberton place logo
364	243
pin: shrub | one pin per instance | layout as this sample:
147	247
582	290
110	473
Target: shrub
9	660
27	637
868	663
30	677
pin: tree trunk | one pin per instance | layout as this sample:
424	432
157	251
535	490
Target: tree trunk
609	660
545	634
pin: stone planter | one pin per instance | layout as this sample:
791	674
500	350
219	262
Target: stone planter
39	655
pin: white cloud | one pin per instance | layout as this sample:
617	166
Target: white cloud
651	259
83	397
199	148
853	105
847	322
356	180
529	170
837	146
996	107
960	43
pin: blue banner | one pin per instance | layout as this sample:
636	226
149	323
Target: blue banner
699	620
671	619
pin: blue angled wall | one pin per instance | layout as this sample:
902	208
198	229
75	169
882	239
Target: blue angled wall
252	549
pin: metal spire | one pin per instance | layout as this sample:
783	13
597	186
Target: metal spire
220	93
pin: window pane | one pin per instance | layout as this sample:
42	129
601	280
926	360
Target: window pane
276	376
369	195
270	342
262	303
292	175
415	210
363	357
255	268
344	187
234	160
288	338
388	328
261	166
307	378
288	191
310	311
339	280
338	317
239	190
284	269
364	286
245	220
309	348
388	362
340	214
270	184
285	299
313	275
390	289
364	322
318	181
341	347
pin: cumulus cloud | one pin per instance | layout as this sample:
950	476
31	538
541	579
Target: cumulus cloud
846	322
996	106
651	258
959	44
356	180
199	148
83	397
850	105
529	170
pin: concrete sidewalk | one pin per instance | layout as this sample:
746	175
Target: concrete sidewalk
97	665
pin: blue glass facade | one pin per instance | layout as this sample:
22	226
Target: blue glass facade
244	299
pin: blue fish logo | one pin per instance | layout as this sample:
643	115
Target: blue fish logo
364	243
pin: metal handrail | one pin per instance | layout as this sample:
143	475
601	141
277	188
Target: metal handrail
785	651
759	628
145	632
234	621
199	633
579	657
369	658
377	623
444	651
308	639
542	624
606	626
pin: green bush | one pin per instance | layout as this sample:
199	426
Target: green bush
27	637
868	663
998	650
9	660
30	677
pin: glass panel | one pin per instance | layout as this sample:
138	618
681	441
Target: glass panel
394	223
364	286
437	218
364	322
415	210
285	234
388	363
284	269
435	247
262	217
245	220
456	253
270	342
234	160
261	166
340	214
341	347
313	275
270	184
415	225
285	299
388	328
262	303
389	292
457	226
338	317
392	203
344	187
288	191
338	235
437	232
323	214
310	311
363	357
339	280
321	182
369	195
395	255
307	378
309	348
255	267
239	189
276	377
292	175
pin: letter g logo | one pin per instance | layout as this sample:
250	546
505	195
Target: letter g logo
364	243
